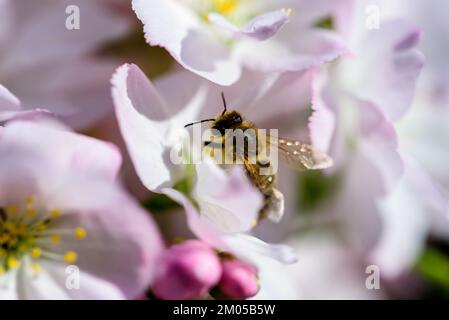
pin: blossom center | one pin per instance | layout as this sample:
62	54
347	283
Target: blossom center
29	231
236	11
226	6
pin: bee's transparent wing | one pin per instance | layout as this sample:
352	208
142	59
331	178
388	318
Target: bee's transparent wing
299	155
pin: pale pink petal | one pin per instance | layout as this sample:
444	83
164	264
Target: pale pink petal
250	247
148	125
169	24
244	246
40	28
76	92
322	121
291	50
228	200
379	143
88	155
122	244
201	227
387	62
260	28
50	284
376	161
8	101
408	219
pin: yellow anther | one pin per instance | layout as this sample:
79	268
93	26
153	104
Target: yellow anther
70	257
226	6
36	268
36	253
21	231
2	270
12	263
55	213
2	252
4	238
80	233
30	213
56	238
22	248
11	227
29	201
41	226
12	209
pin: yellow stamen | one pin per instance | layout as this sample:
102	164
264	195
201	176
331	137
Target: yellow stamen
41	226
2	270
36	253
70	257
36	268
56	238
2	252
30	213
80	233
11	227
12	209
29	201
4	238
12	263
55	213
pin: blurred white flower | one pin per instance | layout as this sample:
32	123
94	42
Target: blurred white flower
47	65
326	270
361	99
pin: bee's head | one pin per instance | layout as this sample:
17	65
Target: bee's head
227	120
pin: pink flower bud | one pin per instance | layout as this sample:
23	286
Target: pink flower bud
187	270
239	279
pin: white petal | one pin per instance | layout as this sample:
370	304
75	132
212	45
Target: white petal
247	246
260	28
149	128
176	28
8	101
50	284
228	200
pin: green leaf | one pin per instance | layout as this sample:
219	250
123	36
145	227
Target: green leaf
326	23
160	203
433	265
315	187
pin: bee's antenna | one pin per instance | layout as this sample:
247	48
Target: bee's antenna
196	122
224	103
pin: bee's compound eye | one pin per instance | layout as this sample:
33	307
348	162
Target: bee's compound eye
237	119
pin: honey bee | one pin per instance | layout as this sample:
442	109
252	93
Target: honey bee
295	154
